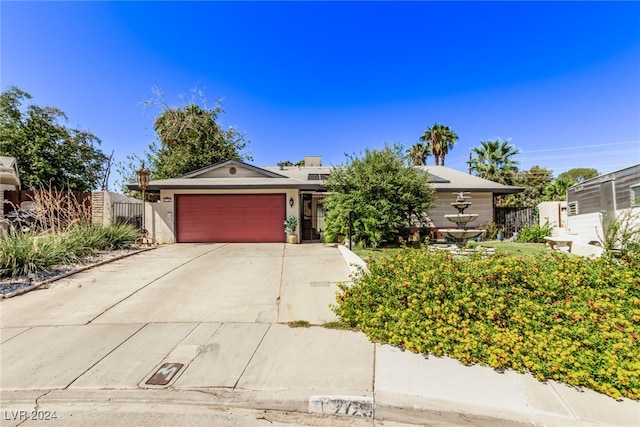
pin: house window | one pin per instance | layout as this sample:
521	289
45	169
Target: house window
573	208
318	176
635	196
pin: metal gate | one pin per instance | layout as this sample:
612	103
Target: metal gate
514	219
312	217
128	213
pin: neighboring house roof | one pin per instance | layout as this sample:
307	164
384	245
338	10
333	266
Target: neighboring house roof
630	170
9	171
447	179
234	174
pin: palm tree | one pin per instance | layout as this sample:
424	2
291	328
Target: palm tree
557	190
418	153
493	161
441	138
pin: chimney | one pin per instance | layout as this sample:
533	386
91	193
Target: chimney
312	161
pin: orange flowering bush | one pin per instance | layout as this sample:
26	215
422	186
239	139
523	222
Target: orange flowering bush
569	319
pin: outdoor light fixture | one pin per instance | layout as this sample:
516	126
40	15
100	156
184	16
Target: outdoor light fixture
143	183
291	201
143	178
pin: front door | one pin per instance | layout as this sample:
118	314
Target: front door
312	217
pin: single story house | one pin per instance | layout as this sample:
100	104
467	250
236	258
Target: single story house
447	182
237	202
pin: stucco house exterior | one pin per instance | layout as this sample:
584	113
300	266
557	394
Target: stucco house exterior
234	201
447	181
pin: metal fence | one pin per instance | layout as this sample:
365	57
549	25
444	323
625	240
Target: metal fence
128	213
512	220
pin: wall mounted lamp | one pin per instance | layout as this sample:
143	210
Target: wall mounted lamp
291	201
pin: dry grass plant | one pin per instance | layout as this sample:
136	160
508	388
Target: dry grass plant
57	210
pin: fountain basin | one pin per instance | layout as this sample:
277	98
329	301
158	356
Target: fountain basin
461	218
461	205
461	235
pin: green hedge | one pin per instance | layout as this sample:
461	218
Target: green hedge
564	318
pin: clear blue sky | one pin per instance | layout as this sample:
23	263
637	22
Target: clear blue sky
562	80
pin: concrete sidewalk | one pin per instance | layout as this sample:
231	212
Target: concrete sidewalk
101	357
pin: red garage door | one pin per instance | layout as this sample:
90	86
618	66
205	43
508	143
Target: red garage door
230	218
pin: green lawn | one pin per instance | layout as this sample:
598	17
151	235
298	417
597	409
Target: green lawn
508	248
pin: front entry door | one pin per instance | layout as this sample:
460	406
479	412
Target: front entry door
312	217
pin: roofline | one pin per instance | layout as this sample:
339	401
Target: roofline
293	185
235	163
604	177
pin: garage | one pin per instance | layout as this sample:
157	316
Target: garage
234	218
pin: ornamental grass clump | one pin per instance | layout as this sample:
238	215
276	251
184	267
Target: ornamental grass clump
557	317
24	253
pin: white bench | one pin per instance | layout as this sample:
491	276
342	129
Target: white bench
561	243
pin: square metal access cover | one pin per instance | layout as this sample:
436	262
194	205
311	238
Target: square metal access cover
165	374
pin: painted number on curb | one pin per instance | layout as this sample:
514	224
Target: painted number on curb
165	374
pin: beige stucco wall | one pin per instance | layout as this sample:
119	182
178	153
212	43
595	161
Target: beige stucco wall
161	215
555	213
482	204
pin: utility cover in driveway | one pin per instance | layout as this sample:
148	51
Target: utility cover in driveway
166	372
233	218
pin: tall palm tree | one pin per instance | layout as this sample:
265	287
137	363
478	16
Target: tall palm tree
441	138
557	190
418	153
493	161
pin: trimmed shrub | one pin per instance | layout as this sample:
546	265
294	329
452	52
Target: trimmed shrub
535	233
569	319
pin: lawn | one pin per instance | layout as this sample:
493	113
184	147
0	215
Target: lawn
555	316
507	248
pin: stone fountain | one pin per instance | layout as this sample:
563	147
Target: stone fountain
461	234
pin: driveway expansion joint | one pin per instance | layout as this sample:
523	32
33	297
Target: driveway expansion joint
153	281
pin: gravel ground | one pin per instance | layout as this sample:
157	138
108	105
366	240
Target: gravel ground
12	284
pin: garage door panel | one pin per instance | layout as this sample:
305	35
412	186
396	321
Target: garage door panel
230	218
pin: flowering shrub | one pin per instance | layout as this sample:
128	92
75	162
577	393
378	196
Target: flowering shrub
569	319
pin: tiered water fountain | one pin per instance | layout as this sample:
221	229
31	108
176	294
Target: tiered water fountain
461	234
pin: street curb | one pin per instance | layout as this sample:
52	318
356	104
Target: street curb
72	272
412	410
351	406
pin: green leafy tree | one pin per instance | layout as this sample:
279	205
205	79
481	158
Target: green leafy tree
577	175
440	139
418	153
189	138
494	161
386	195
47	151
534	182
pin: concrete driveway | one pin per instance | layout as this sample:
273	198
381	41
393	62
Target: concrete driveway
267	283
204	319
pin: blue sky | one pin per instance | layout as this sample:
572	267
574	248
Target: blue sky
562	80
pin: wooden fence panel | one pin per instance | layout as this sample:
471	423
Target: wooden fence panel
13	198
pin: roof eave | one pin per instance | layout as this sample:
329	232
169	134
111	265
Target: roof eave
299	186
